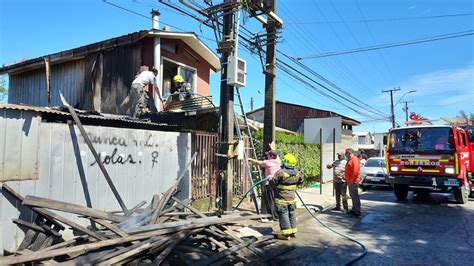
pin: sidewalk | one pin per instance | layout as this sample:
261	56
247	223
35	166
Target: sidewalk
313	197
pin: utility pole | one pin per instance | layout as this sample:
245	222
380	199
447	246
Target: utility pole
270	84
391	105
406	109
225	176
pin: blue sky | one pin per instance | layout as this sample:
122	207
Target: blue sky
442	72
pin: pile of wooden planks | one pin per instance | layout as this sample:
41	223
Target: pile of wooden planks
169	230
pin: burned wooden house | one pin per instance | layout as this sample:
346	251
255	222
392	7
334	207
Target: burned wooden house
98	76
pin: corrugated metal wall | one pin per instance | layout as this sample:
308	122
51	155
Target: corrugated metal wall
141	163
104	77
30	87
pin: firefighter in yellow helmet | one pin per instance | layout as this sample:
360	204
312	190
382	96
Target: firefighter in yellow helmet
286	181
178	82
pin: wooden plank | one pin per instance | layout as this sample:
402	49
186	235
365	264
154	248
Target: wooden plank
65	243
96	156
130	254
40	238
223	254
112	227
35	227
38	256
71	208
132	210
194	223
177	238
20	198
53	217
29	238
105	258
171	191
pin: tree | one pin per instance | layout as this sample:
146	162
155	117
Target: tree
3	90
470	117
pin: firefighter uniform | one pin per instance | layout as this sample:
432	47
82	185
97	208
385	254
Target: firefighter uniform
286	181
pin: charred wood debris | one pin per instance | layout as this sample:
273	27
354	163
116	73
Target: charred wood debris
167	231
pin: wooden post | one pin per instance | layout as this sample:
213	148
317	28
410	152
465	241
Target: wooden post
96	156
225	177
270	85
333	152
321	161
48	79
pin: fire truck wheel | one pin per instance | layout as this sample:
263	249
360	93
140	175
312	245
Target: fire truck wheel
461	194
401	191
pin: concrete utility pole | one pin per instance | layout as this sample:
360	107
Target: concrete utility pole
406	109
270	84
226	112
391	105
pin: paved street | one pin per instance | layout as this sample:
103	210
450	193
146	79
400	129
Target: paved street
419	231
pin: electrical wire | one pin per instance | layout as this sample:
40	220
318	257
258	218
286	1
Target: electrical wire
386	19
246	39
309	40
359	45
391	45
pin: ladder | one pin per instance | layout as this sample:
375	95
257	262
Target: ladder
251	168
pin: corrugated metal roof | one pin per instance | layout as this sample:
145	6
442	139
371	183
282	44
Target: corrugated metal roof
84	114
189	37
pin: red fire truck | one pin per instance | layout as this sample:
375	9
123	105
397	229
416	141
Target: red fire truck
426	158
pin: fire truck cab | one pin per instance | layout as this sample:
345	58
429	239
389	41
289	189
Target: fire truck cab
428	158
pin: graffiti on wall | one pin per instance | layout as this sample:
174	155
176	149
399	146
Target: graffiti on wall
121	146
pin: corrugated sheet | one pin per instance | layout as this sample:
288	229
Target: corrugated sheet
30	87
141	163
68	78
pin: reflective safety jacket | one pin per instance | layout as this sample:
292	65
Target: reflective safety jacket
286	181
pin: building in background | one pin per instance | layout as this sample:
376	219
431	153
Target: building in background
291	116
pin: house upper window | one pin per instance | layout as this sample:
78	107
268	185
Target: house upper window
362	140
172	68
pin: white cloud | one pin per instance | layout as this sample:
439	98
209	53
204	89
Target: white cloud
458	81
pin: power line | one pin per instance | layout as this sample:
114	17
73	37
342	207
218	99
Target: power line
294	75
391	45
149	18
386	19
375	42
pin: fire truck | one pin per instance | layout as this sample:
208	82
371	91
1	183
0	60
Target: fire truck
431	158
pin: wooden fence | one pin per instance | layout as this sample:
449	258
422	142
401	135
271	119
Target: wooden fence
204	170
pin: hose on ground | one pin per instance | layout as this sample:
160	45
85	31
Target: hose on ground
364	252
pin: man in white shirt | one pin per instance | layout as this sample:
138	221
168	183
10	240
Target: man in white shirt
138	86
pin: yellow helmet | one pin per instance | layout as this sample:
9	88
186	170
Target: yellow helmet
178	79
289	160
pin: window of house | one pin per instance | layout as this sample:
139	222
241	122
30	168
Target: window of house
172	68
361	140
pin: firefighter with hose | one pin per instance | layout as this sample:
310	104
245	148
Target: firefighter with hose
286	181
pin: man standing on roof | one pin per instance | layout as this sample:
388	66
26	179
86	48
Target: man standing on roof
286	181
138	86
352	175
271	165
339	180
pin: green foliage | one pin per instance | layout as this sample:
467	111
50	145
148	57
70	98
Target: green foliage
3	90
308	155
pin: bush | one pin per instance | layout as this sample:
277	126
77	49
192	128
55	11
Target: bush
307	154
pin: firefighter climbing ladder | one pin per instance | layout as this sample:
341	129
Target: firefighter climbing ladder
251	168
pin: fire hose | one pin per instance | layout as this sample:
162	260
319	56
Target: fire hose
364	251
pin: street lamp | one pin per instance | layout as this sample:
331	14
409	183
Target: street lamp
399	100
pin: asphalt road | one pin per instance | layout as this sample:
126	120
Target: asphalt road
422	231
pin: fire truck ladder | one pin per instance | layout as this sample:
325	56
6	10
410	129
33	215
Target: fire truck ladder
251	168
